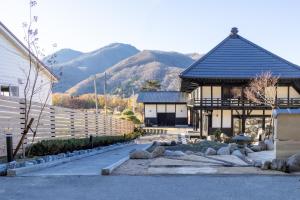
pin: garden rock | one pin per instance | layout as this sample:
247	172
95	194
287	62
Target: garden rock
257	164
238	154
269	144
223	151
12	165
210	151
158	151
224	137
211	138
174	153
173	143
266	165
232	147
188	152
256	148
140	154
279	164
293	163
248	150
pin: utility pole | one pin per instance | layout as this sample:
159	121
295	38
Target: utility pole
133	105
96	99
105	98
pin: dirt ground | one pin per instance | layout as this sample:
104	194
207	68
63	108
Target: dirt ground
190	164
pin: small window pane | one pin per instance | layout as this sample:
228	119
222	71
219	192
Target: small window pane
4	90
14	91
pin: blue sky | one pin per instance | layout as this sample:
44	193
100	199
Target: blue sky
171	25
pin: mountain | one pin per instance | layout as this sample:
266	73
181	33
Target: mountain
130	74
74	66
63	55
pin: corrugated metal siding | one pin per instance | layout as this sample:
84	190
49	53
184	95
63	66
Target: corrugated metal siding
237	57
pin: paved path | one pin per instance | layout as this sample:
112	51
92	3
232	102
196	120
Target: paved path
89	165
150	187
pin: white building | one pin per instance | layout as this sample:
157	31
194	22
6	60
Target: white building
14	68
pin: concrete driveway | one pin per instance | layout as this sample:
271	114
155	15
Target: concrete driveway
91	165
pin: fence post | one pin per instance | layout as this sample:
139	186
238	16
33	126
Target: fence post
86	123
52	120
72	123
96	123
9	147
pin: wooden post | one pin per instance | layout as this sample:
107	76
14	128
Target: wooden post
72	131
52	121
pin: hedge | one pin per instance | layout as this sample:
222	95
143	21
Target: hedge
52	147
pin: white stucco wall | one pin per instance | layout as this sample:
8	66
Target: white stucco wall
150	110
161	108
181	111
216	119
14	67
294	93
216	92
170	108
282	92
226	119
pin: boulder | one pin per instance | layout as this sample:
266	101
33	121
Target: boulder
158	151
174	153
293	163
279	164
140	154
232	147
173	143
238	154
269	144
211	138
223	151
248	150
257	164
210	151
256	148
188	152
266	165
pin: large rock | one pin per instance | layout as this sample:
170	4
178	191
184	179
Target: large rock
174	153
158	151
140	154
232	147
279	164
256	148
238	154
210	151
266	165
223	151
248	150
293	163
269	144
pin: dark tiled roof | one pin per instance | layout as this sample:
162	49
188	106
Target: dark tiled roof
162	97
237	57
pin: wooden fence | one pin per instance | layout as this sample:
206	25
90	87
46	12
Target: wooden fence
55	122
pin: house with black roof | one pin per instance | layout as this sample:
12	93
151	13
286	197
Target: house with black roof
215	85
164	108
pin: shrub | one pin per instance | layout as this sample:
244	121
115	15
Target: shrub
51	147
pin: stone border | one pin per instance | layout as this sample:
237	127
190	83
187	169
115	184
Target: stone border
23	170
109	169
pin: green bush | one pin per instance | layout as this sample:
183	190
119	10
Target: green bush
52	147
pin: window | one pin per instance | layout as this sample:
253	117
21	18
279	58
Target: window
232	92
4	90
9	91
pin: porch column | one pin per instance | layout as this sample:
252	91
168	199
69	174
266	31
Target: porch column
243	121
201	123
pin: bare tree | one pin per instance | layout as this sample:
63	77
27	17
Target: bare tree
35	85
262	90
